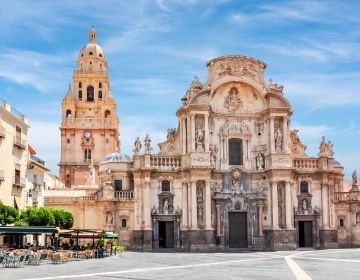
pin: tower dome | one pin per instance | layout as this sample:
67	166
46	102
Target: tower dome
92	56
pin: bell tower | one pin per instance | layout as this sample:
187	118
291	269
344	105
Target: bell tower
89	126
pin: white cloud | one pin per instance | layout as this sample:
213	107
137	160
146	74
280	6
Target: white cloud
311	132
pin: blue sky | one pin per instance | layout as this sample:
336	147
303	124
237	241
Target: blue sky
154	48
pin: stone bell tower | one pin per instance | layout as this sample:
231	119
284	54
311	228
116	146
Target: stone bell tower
89	126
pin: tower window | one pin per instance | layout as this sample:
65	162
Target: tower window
90	94
87	155
165	186
91	53
100	94
80	94
123	223
100	84
235	152
68	114
107	114
304	187
80	84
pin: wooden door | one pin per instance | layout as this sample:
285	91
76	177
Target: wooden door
238	230
169	240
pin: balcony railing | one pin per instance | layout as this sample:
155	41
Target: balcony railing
2	175
342	196
124	195
2	132
305	163
166	162
19	182
88	122
19	142
38	160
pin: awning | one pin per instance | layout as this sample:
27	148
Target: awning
26	230
111	235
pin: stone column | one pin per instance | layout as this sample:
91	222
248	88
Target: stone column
185	224
183	133
189	203
218	229
188	134
192	133
260	208
285	135
288	211
272	141
325	205
207	133
274	204
194	225
147	210
208	205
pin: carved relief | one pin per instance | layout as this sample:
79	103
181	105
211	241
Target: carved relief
232	101
259	127
109	218
235	127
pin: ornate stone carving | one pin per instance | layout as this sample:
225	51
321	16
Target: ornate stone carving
260	162
147	144
171	135
235	127
275	88
259	127
109	218
278	139
199	139
213	151
326	149
232	101
260	148
137	146
200	202
354	178
237	188
166	206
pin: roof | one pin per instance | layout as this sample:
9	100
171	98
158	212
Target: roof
26	229
117	157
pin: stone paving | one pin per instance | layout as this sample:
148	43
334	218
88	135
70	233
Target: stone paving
308	264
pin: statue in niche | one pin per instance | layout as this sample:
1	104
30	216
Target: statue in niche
213	151
278	139
232	101
260	162
147	143
137	146
326	149
304	206
109	218
236	184
218	187
166	206
199	139
200	202
354	178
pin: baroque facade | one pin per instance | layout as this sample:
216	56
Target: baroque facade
231	175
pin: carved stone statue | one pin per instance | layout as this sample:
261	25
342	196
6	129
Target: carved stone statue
232	101
171	134
200	202
326	149
109	218
166	206
213	151
199	139
137	146
147	144
304	205
354	178
260	162
278	139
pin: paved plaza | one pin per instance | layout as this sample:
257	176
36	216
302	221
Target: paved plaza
324	264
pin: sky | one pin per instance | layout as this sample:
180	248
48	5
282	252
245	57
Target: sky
154	49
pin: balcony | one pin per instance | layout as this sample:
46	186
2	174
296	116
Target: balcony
166	162
2	132
305	163
124	195
19	142
18	182
2	175
37	160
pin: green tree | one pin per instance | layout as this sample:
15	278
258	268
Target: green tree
8	214
63	219
40	217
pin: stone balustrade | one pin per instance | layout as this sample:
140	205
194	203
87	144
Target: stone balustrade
166	162
124	195
305	163
88	122
342	196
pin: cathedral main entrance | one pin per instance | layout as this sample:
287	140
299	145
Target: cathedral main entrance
166	234
238	237
305	234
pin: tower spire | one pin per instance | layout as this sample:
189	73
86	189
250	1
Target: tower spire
92	34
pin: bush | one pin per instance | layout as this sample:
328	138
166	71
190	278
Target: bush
8	214
63	219
40	217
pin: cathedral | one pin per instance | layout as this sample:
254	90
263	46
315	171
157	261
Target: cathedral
230	175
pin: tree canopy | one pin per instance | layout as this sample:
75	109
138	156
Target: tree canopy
8	215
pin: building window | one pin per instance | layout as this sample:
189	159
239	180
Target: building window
358	217
90	94
80	84
107	113
165	186
123	223
17	177
100	84
100	94
87	155
235	152
304	187
118	185
342	222
68	114
80	94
